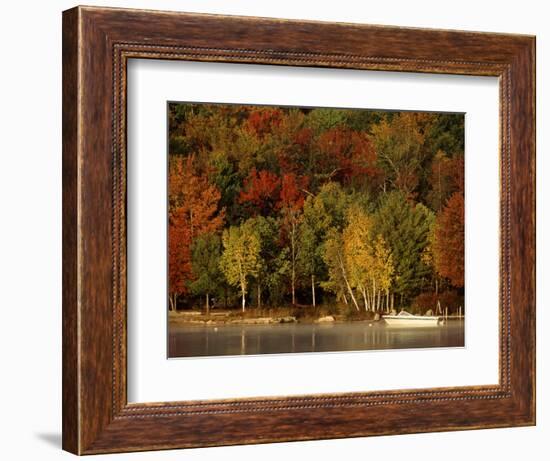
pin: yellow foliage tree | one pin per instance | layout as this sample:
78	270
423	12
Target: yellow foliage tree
241	257
368	260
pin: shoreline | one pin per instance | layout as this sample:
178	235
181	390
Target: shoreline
195	318
216	319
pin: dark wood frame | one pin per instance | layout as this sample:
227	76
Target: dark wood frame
97	43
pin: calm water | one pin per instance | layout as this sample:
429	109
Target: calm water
192	341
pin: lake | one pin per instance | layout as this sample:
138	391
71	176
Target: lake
194	341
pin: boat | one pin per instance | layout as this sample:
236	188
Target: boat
406	319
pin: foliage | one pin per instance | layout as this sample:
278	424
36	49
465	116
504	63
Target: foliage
273	264
399	146
193	211
206	251
446	177
280	206
338	278
240	259
405	227
449	241
260	190
368	259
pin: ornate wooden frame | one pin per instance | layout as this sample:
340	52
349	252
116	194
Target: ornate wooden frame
97	43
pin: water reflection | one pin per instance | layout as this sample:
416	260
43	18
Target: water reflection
193	341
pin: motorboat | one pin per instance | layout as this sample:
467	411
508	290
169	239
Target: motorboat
406	319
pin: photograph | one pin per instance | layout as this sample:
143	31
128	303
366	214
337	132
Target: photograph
313	229
266	231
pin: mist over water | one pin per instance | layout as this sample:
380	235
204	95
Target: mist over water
200	341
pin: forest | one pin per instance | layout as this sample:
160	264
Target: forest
272	207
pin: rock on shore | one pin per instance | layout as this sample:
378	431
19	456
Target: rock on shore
325	319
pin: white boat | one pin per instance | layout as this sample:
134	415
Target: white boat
405	319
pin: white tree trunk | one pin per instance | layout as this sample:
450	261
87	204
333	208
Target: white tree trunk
243	291
365	300
313	289
350	291
374	294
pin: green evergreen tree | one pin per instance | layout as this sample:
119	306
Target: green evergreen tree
405	227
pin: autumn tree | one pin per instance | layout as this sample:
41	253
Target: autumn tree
356	251
321	212
330	205
240	258
273	264
446	177
346	156
382	271
206	251
449	240
338	277
179	258
263	120
334	200
400	154
260	190
290	204
193	211
367	258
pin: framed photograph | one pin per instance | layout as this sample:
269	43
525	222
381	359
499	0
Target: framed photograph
281	230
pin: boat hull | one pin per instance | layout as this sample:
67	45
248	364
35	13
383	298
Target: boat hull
412	321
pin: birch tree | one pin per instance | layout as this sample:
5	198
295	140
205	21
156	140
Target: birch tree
357	252
368	259
339	279
240	259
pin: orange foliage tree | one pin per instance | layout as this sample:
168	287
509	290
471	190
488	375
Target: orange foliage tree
449	240
193	211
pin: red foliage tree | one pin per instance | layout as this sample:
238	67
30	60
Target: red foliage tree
297	152
449	240
260	190
362	160
292	192
348	154
302	138
262	121
193	211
